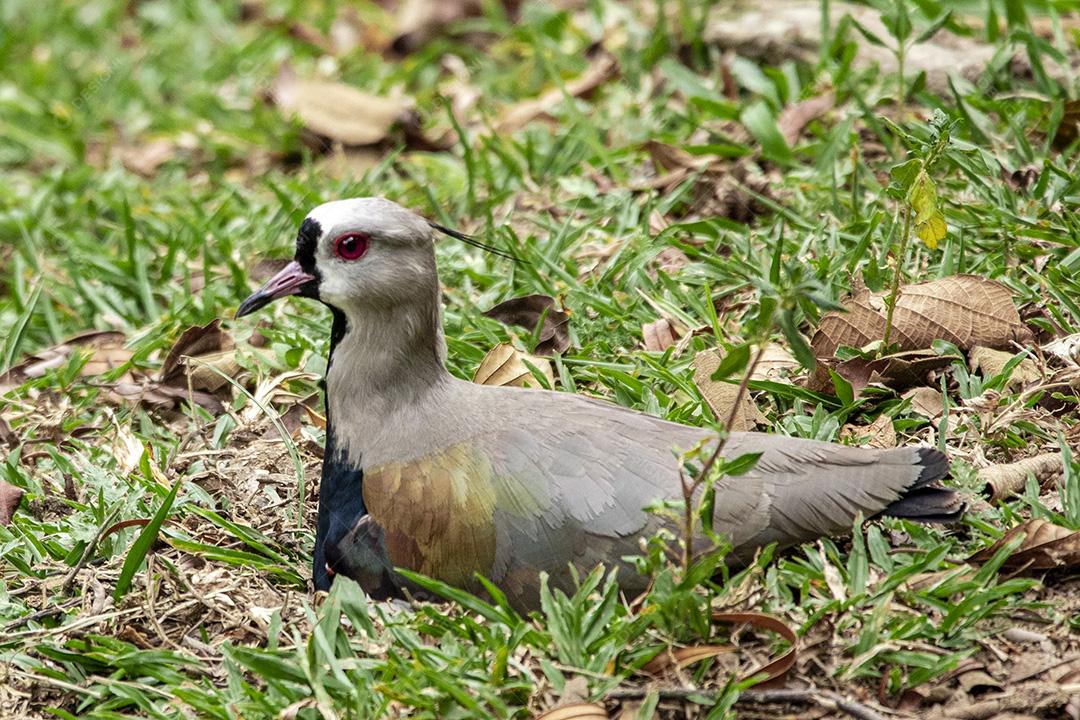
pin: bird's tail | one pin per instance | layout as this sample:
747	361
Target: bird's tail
927	500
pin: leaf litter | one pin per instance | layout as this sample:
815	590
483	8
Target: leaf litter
1043	545
506	365
540	316
967	311
723	397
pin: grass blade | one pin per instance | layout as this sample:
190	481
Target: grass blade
142	544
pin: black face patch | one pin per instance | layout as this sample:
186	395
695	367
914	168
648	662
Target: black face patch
306	242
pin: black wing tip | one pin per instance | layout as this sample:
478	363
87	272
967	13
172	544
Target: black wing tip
927	500
935	466
470	240
932	504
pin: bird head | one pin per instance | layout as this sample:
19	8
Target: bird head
355	255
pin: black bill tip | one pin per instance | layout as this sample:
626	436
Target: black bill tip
290	280
252	303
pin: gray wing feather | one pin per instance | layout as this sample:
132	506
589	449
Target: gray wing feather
591	467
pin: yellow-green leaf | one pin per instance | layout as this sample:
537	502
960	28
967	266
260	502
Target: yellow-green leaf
923	194
929	221
932	230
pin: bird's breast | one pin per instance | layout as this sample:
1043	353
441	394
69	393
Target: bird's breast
437	512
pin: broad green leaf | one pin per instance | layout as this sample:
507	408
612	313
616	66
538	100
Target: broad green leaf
741	465
905	173
866	33
733	362
759	121
931	30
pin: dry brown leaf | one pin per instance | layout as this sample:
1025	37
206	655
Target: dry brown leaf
196	355
878	434
163	397
775	363
721	396
197	340
527	311
418	21
991	362
794	118
966	310
337	111
926	401
1046	546
187	374
670	260
505	365
146	157
975	680
10	496
1020	180
576	711
773	672
105	347
343	163
670	158
573	703
897	371
659	335
1002	481
602	67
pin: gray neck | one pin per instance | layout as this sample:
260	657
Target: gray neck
385	366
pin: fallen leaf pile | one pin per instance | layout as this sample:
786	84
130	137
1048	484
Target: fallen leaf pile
529	311
196	369
105	349
1045	546
966	310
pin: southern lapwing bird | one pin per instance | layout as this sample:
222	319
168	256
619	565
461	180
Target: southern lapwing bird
451	479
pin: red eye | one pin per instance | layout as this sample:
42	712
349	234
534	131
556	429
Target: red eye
351	246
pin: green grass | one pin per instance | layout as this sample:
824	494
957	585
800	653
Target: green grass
218	621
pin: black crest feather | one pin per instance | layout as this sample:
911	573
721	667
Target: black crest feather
470	240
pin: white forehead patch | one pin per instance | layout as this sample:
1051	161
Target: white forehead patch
372	215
